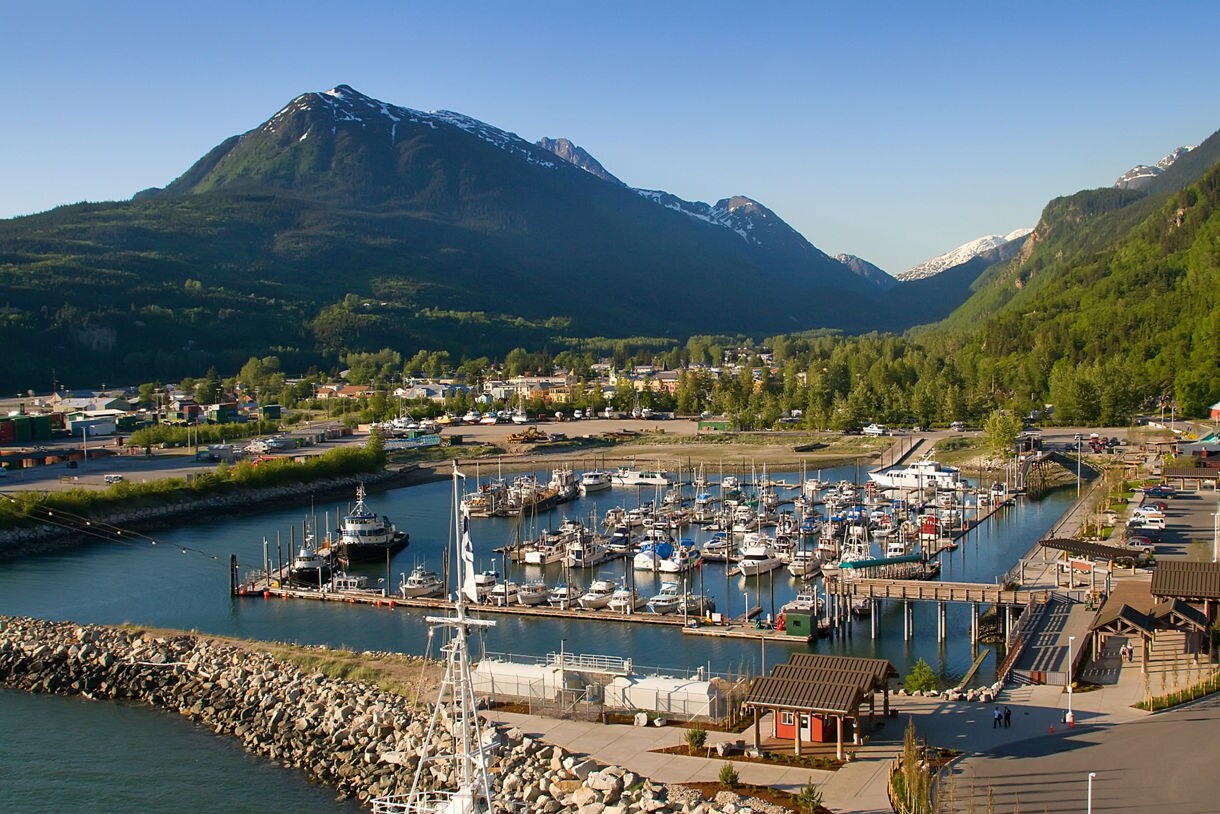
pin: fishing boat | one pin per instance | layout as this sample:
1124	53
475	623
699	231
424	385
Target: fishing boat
420	583
366	537
600	592
310	568
595	480
719	548
467	764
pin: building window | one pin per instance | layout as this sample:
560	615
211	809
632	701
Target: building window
785	718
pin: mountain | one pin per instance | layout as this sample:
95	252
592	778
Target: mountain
579	157
1111	300
960	255
1141	175
868	271
344	224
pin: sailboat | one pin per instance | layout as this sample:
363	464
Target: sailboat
455	709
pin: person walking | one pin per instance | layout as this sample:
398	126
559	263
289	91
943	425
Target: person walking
1007	717
997	718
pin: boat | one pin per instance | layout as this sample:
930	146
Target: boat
341	581
757	558
626	601
630	476
484	584
585	553
310	568
563	596
919	475
533	592
468	761
421	583
719	548
366	537
806	601
504	594
683	558
600	592
595	480
804	564
667	600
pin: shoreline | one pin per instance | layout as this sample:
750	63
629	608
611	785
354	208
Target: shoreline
43	538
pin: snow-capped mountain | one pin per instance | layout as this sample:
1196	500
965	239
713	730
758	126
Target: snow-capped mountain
1141	174
961	254
578	156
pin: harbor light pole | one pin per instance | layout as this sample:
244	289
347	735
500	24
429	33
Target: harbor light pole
1216	536
1089	802
1071	718
1078	467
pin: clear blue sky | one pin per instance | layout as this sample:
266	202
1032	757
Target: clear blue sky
894	131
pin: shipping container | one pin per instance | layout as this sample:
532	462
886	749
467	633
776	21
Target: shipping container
41	427
23	429
8	433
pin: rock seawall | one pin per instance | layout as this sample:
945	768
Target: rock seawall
354	737
45	537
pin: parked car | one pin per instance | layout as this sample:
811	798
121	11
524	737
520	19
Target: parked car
113	479
1160	490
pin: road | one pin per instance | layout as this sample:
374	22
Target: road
1153	764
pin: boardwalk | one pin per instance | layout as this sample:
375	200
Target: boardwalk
934	591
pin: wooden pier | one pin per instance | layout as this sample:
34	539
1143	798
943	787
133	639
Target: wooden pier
933	591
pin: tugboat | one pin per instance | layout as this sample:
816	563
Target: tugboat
310	568
365	537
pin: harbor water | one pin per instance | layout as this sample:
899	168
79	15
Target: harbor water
182	582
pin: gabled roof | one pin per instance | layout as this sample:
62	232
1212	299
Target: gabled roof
1083	548
827	684
1186	580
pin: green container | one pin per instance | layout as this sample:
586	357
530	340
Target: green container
23	429
41	427
799	624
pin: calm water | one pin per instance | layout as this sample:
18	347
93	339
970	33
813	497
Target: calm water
164	585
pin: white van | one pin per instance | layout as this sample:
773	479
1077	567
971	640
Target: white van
112	479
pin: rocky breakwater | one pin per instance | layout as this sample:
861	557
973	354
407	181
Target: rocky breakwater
359	739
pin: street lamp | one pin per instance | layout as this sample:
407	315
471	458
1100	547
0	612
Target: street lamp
1071	719
1078	467
1089	803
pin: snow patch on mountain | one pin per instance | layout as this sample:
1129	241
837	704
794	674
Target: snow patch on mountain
347	105
1142	174
962	254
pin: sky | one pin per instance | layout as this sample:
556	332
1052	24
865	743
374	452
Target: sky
893	131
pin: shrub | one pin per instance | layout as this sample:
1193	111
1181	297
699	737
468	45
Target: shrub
809	798
695	738
728	776
921	677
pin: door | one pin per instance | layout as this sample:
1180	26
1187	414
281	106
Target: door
806	728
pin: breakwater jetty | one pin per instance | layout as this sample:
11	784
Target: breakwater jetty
354	737
42	535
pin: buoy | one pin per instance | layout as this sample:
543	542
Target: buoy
1052	729
391	604
266	594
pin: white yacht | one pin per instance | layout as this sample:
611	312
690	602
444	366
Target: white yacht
421	583
600	592
804	564
682	559
630	476
534	592
584	553
595	480
921	474
563	596
667	600
757	558
625	601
